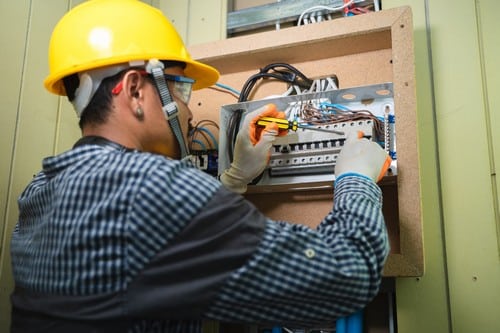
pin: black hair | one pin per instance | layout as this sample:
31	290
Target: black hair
172	63
99	107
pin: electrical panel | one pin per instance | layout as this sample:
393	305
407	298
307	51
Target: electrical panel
362	51
305	158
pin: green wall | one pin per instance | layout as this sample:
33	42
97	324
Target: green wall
457	59
457	62
419	299
34	124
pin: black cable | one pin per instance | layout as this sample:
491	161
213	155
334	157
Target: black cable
279	71
232	131
290	75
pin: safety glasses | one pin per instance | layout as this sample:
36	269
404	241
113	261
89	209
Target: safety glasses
182	86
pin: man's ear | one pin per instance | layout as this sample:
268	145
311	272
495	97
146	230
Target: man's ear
133	82
133	92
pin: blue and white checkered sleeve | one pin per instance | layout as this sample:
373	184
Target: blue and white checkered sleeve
303	276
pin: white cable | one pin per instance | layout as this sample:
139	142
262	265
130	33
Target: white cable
316	8
311	87
331	84
288	92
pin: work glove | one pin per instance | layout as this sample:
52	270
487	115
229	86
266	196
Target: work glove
252	149
360	156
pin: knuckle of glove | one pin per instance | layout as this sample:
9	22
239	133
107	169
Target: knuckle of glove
271	128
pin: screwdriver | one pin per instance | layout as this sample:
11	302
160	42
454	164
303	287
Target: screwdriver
284	124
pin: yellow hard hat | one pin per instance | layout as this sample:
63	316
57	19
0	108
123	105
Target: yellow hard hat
100	33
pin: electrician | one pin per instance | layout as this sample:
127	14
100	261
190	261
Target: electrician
121	234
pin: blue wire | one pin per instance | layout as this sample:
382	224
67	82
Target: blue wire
338	106
214	141
222	85
200	143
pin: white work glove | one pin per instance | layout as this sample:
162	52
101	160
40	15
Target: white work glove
252	149
362	157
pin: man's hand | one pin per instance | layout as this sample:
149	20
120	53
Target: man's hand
362	157
252	149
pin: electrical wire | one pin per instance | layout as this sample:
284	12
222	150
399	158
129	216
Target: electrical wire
277	71
334	113
226	87
214	143
321	7
208	136
203	147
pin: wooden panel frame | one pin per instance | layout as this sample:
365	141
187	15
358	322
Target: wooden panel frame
361	50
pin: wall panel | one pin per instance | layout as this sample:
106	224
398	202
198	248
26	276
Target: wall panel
178	13
466	157
14	19
465	67
33	134
490	51
207	21
422	304
197	21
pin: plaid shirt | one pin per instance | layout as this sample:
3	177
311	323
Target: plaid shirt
97	218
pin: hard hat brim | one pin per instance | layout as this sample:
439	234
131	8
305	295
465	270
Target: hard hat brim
204	75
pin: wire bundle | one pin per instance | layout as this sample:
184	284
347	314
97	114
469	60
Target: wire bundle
208	137
277	71
328	113
320	13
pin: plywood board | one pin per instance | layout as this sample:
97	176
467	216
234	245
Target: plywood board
361	50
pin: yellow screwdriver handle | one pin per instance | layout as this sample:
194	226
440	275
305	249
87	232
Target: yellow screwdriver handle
293	125
283	124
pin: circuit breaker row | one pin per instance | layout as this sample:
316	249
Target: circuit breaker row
313	152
